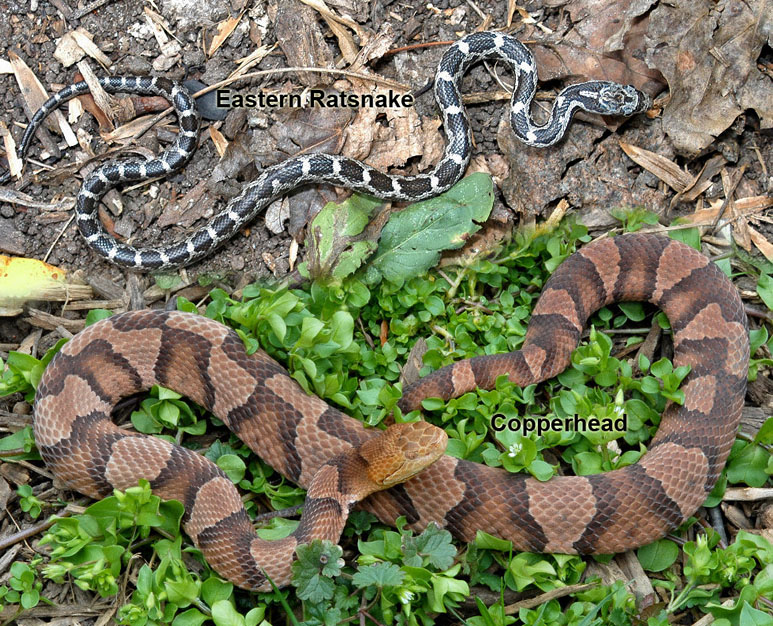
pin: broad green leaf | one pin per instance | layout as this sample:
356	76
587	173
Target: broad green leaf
335	242
765	290
658	556
749	466
224	614
191	617
214	590
378	574
412	240
233	466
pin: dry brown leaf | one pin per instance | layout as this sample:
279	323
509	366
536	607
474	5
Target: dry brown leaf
252	59
708	52
324	10
349	48
15	164
338	24
554	219
665	169
270	261
702	181
293	253
751	204
170	48
102	99
763	245
76	44
35	95
512	7
68	52
12	196
745	208
224	30
355	9
130	130
302	42
376	48
607	42
497	228
494	164
404	137
84	39
74	110
191	206
277	213
221	143
739	226
301	131
605	24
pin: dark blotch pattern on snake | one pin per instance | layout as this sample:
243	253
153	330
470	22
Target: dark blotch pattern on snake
298	434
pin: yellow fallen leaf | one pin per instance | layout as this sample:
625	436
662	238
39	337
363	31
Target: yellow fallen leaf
23	280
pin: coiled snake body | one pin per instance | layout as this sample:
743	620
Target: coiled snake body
600	97
299	434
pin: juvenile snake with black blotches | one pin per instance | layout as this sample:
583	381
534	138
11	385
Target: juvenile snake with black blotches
601	97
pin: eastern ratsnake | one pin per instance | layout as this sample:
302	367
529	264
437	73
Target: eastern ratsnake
605	98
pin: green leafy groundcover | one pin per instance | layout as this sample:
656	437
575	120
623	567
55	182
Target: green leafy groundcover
328	337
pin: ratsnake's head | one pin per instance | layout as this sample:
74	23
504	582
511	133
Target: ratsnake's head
615	99
402	451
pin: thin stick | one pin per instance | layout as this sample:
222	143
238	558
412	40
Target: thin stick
25	534
58	237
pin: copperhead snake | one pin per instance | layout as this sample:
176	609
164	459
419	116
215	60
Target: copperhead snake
299	435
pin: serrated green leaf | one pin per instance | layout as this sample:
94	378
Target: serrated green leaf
378	574
434	544
318	562
412	240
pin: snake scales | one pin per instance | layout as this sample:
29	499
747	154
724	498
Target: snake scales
315	445
298	434
600	97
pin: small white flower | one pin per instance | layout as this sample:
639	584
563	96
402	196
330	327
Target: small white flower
514	450
619	411
405	595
